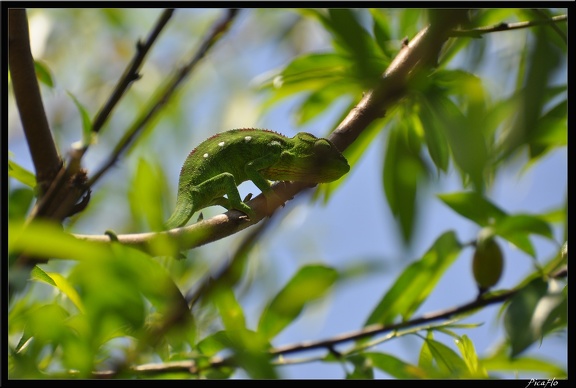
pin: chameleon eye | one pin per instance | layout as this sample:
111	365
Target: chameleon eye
321	146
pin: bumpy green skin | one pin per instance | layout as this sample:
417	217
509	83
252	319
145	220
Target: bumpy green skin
218	165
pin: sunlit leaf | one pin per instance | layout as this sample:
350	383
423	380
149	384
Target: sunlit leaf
475	367
394	366
309	283
229	308
446	359
60	282
147	195
21	174
45	239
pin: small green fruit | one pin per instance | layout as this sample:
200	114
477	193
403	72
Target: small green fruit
488	261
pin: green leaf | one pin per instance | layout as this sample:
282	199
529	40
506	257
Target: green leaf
402	172
447	360
362	368
88	137
543	62
229	308
19	202
43	73
45	239
317	102
60	282
147	194
353	41
250	351
311	72
416	282
465	137
21	174
473	206
213	343
500	361
475	367
551	131
381	30
529	313
435	137
47	324
395	367
523	223
309	283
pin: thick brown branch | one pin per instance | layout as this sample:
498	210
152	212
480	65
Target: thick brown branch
43	150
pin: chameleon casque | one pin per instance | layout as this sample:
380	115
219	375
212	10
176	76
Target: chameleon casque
219	164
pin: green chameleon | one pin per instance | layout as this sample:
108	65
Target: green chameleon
218	165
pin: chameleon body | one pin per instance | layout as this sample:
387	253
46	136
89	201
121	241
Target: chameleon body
219	164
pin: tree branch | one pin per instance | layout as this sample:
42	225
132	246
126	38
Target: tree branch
478	32
413	57
43	150
131	73
165	94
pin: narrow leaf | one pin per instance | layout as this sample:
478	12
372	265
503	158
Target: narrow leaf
447	359
470	356
474	206
88	137
43	73
21	174
417	281
310	283
60	282
523	223
395	367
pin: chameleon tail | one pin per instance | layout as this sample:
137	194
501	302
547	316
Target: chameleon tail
181	215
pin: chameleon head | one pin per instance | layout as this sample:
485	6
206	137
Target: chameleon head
311	160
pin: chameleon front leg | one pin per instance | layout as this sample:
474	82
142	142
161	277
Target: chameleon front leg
208	193
252	170
223	183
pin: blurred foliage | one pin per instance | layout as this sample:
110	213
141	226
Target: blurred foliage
101	307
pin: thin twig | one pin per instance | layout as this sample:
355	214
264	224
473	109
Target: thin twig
165	94
478	32
131	73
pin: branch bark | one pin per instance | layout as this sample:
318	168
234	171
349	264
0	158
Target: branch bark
43	150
